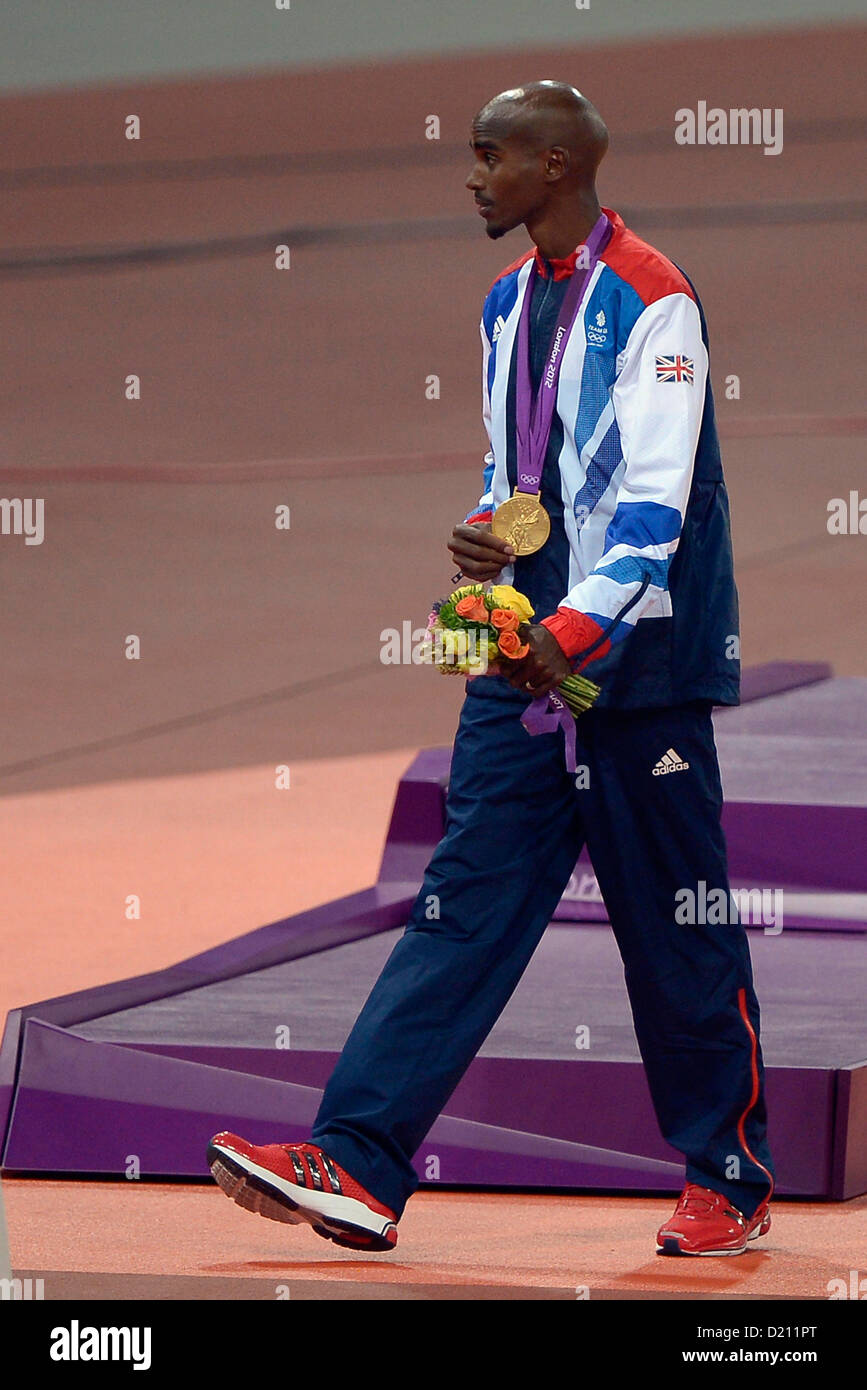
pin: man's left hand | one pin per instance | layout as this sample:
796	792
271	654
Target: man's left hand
544	666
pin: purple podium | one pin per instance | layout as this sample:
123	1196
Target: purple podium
244	1036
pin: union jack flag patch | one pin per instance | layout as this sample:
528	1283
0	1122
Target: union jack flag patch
675	369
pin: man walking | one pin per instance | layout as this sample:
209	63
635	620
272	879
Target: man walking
604	503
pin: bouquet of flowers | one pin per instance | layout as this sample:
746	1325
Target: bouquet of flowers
476	631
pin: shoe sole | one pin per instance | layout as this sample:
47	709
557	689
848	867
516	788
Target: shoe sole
253	1189
671	1244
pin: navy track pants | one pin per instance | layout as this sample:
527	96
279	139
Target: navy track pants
515	824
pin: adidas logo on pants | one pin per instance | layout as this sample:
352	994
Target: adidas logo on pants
670	762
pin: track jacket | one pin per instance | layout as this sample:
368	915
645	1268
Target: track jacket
640	546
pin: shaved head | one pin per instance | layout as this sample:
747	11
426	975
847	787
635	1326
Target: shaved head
537	150
544	115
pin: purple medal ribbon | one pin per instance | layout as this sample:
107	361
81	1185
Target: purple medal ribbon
533	427
533	416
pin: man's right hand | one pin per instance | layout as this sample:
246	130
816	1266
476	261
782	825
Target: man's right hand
479	554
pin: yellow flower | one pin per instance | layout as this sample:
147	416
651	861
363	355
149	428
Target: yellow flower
507	597
480	662
451	644
462	652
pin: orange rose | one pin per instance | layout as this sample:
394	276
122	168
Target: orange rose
511	645
505	619
472	607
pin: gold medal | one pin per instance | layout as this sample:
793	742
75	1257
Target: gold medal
523	522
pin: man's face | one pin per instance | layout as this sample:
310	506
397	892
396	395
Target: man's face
507	180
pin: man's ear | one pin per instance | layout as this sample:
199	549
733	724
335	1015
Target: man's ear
557	163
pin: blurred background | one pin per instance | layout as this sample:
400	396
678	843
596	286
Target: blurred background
306	388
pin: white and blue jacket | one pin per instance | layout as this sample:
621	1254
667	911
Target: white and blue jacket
640	544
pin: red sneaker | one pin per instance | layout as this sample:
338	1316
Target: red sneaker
706	1223
299	1182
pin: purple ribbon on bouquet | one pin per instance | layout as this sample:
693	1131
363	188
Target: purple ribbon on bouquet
546	715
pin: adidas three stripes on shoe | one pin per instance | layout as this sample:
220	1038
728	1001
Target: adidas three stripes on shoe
300	1182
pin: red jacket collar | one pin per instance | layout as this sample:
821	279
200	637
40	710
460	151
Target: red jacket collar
564	266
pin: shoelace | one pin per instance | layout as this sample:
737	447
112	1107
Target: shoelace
697	1199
